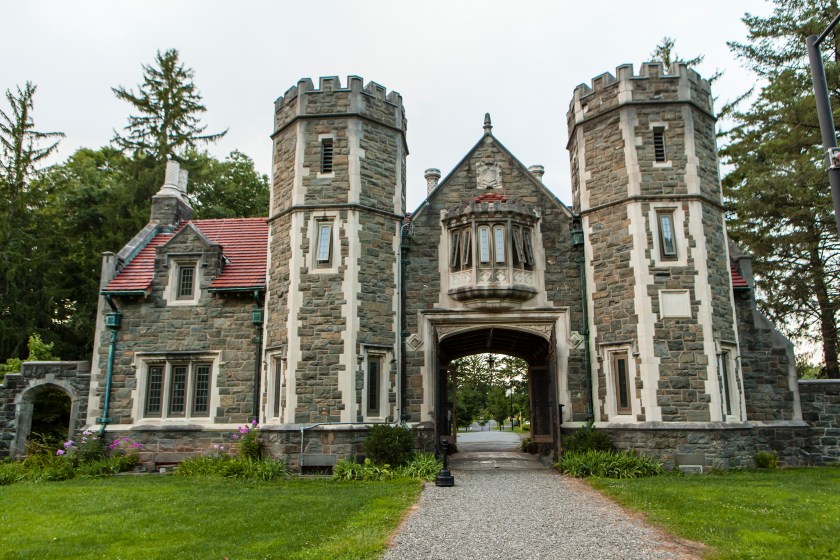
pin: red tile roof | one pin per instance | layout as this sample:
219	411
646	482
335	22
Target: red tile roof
244	244
491	197
738	282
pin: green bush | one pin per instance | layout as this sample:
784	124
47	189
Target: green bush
422	466
241	468
766	459
608	464
389	445
587	438
107	467
11	473
249	441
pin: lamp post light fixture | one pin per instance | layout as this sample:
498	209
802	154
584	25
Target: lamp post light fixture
829	135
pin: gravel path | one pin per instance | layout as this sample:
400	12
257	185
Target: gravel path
533	514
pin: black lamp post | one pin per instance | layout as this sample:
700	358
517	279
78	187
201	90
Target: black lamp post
829	135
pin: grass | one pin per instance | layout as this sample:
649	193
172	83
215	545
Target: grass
788	513
167	517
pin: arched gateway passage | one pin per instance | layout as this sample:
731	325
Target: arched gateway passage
538	351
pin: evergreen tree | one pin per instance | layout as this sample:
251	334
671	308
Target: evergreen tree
777	191
666	54
168	106
23	270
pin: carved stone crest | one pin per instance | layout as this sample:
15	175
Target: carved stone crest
489	175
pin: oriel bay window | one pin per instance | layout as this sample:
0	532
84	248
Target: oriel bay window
177	389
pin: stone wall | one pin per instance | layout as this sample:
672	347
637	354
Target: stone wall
218	325
821	409
18	390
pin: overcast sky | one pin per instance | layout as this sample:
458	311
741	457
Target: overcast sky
451	61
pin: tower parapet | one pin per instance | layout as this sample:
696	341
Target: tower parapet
372	101
653	84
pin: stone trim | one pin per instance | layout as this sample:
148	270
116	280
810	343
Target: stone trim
669	198
319	116
337	206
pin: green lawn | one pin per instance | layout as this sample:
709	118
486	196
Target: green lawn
167	517
786	513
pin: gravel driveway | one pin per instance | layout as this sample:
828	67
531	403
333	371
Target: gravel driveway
529	512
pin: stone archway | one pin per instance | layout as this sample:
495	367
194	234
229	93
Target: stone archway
532	343
29	404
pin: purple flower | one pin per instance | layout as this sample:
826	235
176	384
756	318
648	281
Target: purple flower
68	444
234	436
60	452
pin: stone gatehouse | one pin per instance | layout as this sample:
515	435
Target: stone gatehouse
341	309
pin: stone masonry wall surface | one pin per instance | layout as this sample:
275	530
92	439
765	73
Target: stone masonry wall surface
216	324
422	273
821	409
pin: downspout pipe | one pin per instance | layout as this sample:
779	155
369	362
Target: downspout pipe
112	321
257	320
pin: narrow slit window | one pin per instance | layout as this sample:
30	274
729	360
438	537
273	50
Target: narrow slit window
724	372
622	384
499	234
667	239
484	245
373	387
278	385
323	251
327	155
659	145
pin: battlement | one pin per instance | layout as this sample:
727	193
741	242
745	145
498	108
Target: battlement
371	99
652	84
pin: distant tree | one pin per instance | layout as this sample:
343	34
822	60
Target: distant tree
168	106
226	189
665	53
23	153
777	190
498	405
39	351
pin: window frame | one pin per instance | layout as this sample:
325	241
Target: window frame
730	393
177	265
660	153
616	358
373	386
667	216
322	226
160	385
327	163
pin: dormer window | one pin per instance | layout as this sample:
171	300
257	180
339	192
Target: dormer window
186	282
184	286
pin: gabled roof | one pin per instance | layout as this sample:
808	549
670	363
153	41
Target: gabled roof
527	174
244	243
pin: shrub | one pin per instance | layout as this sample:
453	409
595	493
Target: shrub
389	445
240	468
608	464
423	466
107	467
587	438
766	459
11	473
249	441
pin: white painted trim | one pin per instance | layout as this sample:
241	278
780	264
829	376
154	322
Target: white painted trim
349	312
299	192
628	121
703	294
354	164
596	404
692	177
293	304
175	263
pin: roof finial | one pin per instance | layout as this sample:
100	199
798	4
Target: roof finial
488	126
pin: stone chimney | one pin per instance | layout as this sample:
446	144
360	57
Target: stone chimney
537	171
169	205
432	176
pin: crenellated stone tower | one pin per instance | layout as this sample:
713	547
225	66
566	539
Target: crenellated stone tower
337	205
646	185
